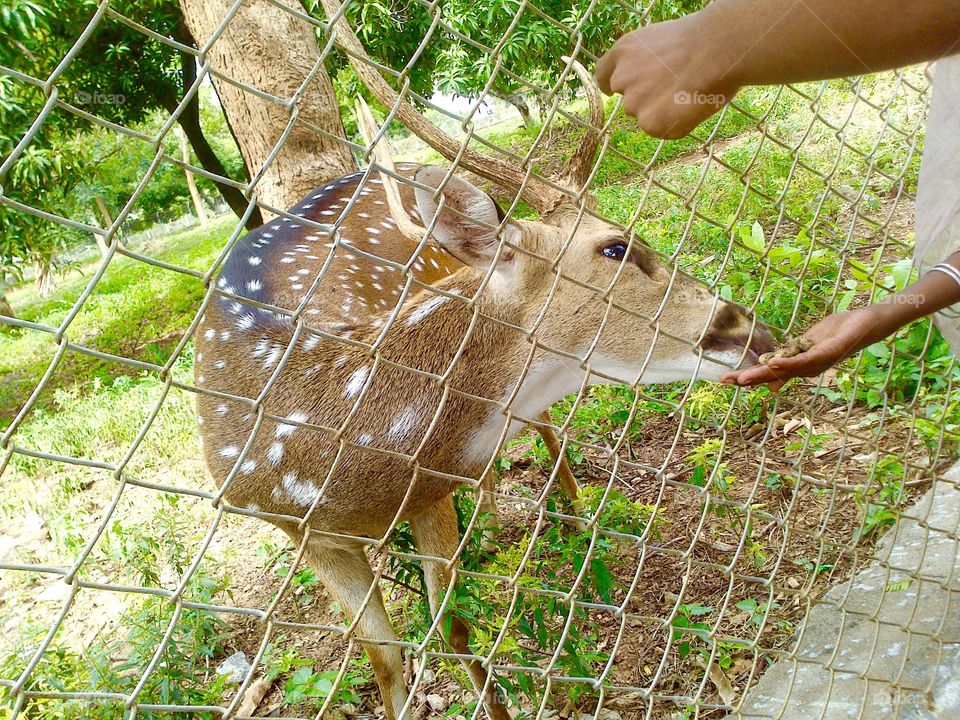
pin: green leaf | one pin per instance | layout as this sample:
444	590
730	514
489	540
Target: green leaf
754	240
603	578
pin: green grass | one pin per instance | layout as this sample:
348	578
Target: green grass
136	311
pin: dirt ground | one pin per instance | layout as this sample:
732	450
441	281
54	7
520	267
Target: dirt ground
802	540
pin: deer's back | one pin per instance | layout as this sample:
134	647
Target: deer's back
291	466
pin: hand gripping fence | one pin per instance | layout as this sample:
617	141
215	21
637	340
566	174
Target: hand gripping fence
710	520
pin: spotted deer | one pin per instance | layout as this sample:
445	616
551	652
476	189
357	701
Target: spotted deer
427	329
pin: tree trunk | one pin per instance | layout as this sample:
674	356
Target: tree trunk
191	183
45	281
273	51
5	308
518	102
189	120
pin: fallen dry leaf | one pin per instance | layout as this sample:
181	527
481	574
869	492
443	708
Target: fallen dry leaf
253	696
720	681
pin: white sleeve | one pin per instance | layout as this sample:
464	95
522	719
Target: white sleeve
938	192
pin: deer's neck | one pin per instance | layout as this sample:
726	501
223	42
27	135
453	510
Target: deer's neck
495	363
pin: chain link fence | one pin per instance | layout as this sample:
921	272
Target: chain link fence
709	520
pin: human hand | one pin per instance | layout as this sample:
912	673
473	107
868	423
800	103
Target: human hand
831	340
669	75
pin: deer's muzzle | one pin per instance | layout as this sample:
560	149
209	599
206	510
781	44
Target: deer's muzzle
734	330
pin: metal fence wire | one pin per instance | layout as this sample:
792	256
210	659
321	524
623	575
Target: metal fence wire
709	519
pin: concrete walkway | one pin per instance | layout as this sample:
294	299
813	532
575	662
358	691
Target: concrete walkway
886	644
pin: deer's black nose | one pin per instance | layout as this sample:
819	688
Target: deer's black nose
733	329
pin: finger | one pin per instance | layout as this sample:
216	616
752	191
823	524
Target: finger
604	70
807	364
757	375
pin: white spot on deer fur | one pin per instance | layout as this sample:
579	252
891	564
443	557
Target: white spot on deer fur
287	259
235	307
327	212
209	334
222	282
311	342
254	285
275	453
222	410
373	230
245	322
253	507
285	430
254	260
425	309
229	451
403	423
363	215
224	336
434	263
248	467
260	348
365	439
303	271
275	352
201	379
341	361
301	492
296	286
356	381
220	364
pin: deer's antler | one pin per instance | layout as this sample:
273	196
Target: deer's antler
581	162
539	193
383	158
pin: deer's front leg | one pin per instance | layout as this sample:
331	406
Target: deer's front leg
567	481
347	575
436	534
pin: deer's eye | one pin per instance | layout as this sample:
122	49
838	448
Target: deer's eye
614	251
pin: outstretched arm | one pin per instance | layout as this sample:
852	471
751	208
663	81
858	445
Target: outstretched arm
675	74
841	335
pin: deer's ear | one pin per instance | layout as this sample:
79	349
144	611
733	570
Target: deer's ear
466	224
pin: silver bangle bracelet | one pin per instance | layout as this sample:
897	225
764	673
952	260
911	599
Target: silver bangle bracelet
949	270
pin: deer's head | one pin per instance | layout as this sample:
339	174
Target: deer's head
588	288
585	288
